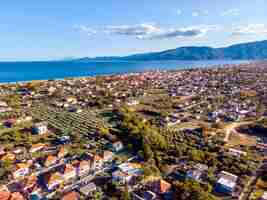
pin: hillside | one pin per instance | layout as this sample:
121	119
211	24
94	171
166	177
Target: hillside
245	51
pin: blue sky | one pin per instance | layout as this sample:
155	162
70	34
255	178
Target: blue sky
55	29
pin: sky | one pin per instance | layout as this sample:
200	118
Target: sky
58	29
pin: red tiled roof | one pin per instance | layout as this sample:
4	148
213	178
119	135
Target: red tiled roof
4	195
71	196
17	196
164	186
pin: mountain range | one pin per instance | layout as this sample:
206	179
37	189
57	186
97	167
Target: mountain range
245	51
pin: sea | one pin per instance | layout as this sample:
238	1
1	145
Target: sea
12	72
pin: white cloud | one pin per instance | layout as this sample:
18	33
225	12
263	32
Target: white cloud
134	30
188	32
197	13
231	12
250	29
151	31
89	31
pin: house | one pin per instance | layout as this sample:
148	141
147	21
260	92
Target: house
126	172
197	172
107	156
194	175
3	104
50	160
62	152
74	109
21	170
147	195
117	146
171	120
71	196
36	193
69	172
2	151
132	102
121	177
5	195
236	152
37	147
18	151
24	119
4	107
264	196
17	196
84	168
9	157
98	160
40	128
159	186
9	123
88	189
226	183
54	180
30	183
71	100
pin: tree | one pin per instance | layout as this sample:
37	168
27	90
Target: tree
126	195
191	190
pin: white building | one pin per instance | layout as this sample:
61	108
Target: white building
40	128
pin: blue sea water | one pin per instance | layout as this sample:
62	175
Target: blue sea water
26	71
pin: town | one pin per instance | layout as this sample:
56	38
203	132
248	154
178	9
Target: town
194	134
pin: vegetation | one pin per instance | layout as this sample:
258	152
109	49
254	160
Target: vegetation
144	138
190	190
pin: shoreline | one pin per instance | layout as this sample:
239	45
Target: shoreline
178	68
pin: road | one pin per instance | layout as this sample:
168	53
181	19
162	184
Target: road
192	106
231	128
247	189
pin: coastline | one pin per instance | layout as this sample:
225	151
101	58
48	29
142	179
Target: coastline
187	65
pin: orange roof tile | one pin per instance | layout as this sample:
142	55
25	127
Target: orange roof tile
9	156
68	168
164	186
62	152
30	181
22	166
17	196
55	177
84	164
50	160
4	195
98	158
71	196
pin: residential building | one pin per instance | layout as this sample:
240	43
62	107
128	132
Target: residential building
30	183
107	156
54	180
71	196
62	152
159	186
226	183
37	147
69	172
5	195
236	152
126	172
17	196
40	128
22	169
50	160
84	168
117	146
88	189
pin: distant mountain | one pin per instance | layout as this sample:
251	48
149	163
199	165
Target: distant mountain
245	51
